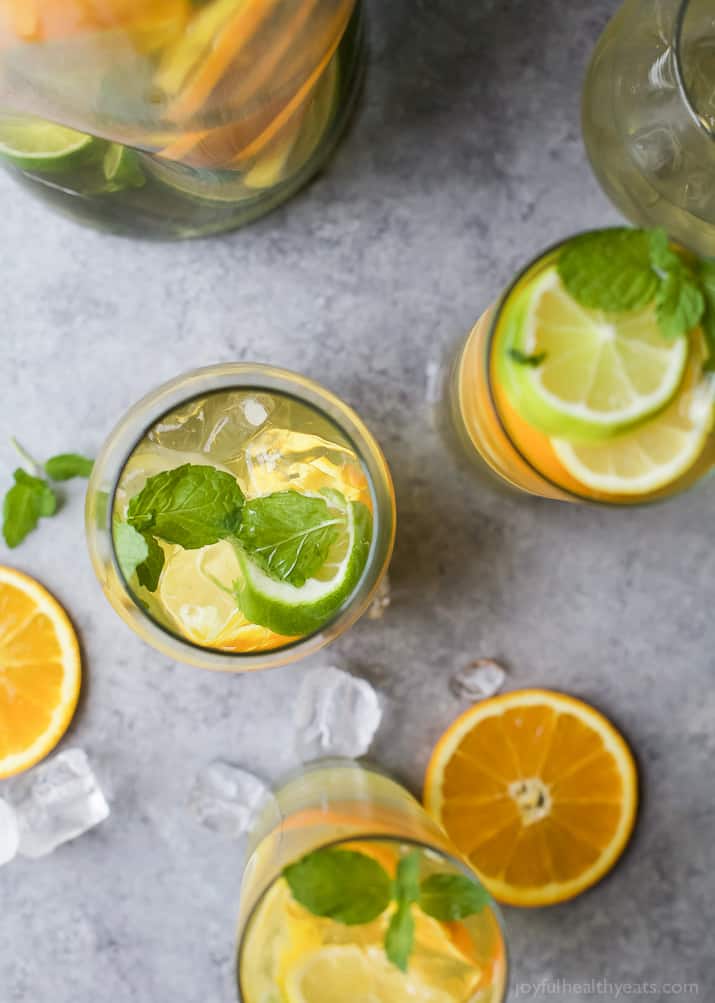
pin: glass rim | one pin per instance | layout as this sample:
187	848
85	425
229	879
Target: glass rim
680	69
568	495
259	377
368	837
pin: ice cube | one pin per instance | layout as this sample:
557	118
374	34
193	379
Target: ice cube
657	150
9	832
56	802
382	600
478	680
227	799
336	714
434	379
220	424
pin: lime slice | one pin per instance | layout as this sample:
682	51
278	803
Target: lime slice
344	974
35	145
122	168
653	455
582	374
289	610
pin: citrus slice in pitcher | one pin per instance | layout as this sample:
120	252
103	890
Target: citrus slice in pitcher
539	792
35	145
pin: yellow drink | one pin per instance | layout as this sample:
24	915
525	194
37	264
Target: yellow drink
267	435
527	452
283	947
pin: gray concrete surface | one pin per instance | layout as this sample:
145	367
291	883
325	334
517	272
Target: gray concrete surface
465	159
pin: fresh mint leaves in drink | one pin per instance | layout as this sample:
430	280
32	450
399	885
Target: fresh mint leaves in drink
706	275
352	888
138	554
623	270
289	535
193	506
609	269
28	500
449	897
68	465
400	936
342	885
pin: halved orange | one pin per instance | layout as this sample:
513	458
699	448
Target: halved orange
40	672
538	791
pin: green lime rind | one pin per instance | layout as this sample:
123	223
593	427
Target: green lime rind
523	383
294	612
122	168
44	146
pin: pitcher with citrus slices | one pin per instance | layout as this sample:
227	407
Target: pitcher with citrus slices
240	517
592	377
173	118
352	893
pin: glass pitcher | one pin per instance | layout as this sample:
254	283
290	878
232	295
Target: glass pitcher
649	116
173	118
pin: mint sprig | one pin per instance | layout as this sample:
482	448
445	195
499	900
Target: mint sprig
288	534
352	888
622	270
32	497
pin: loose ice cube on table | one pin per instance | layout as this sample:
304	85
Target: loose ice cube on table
56	802
9	832
336	714
226	799
478	680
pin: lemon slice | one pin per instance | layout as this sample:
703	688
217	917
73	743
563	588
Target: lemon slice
36	145
191	593
654	454
344	974
591	375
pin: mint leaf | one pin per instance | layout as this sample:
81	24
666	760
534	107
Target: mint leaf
706	274
407	879
662	257
400	936
27	501
192	506
343	885
138	554
149	571
609	270
68	465
288	534
679	303
449	897
526	360
130	547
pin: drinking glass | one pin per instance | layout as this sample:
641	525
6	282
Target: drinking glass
340	804
274	432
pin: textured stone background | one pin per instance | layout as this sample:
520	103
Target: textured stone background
464	160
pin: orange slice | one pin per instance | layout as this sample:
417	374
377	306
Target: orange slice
539	792
40	672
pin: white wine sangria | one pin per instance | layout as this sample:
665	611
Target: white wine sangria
174	118
240	517
352	893
649	117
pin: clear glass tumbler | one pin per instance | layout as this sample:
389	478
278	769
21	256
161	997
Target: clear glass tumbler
285	952
264	435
